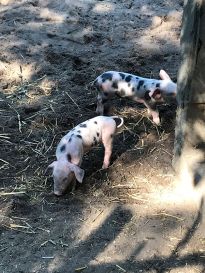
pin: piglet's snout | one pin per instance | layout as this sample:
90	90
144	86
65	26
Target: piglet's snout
58	193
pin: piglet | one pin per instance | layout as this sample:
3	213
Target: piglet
74	144
143	90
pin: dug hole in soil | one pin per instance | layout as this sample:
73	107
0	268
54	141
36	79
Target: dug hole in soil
124	219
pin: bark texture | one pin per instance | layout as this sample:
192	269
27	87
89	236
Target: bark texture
189	151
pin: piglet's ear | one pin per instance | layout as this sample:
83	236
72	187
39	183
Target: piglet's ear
49	169
79	173
52	165
163	75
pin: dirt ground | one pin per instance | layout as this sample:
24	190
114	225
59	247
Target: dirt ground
129	218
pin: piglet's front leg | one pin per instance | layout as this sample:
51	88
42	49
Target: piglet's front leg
152	110
100	105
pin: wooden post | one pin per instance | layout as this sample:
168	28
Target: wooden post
189	150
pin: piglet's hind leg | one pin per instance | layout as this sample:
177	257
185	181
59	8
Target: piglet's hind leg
100	105
107	142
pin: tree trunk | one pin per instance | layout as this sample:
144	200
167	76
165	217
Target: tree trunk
189	150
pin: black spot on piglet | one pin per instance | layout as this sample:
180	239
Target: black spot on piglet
122	75
128	78
141	82
62	148
83	125
69	157
79	136
147	96
106	76
115	85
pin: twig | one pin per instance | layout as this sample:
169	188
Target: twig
19	218
3	249
73	30
4	136
166	152
74	41
122	269
4	161
28	224
169	215
46	230
63	244
72	100
50	145
18	116
44	243
23	170
139	121
9	142
123	186
18	226
152	150
130	131
80	268
11	193
52	242
138	198
98	216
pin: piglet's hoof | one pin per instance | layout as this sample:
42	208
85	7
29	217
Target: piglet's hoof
156	121
105	166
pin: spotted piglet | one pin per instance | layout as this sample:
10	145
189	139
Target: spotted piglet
143	90
74	144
